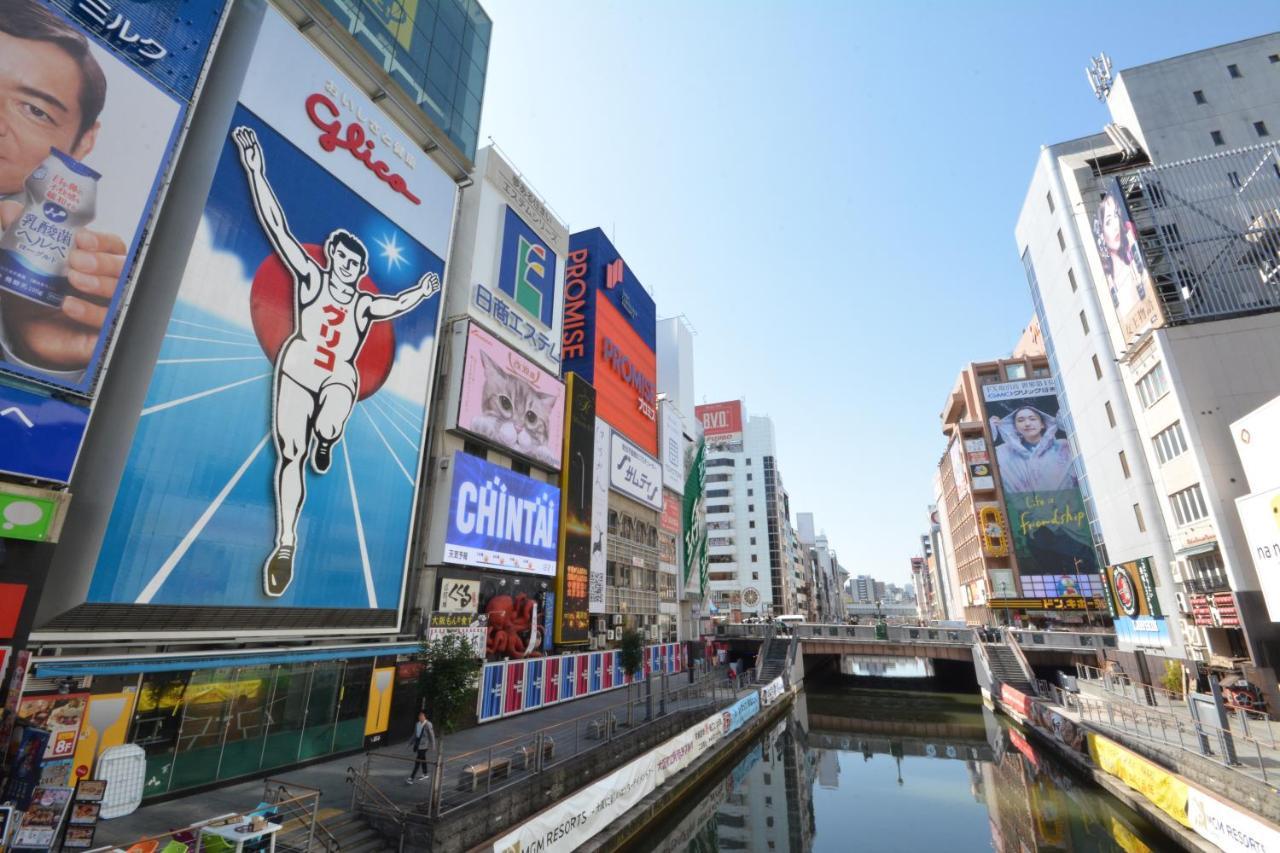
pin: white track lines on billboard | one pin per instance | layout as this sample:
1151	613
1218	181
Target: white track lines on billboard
394	409
253	344
391	422
364	550
171	562
387	444
218	329
208	360
160	407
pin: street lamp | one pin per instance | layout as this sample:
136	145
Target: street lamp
1083	592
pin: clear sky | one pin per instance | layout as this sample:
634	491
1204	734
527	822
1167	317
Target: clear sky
827	191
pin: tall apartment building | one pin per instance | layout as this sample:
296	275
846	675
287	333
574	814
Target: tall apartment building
822	572
1150	248
750	555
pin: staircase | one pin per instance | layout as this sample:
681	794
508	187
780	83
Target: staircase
342	832
773	660
1007	669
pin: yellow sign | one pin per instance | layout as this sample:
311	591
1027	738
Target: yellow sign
378	716
106	724
995	538
1168	792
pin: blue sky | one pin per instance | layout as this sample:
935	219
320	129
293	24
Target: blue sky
828	191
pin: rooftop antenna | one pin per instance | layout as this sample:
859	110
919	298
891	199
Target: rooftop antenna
1099	74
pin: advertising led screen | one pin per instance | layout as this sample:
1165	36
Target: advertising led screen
510	401
1041	494
82	166
573	582
308	309
610	330
499	519
1130	288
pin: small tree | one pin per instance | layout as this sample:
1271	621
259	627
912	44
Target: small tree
1172	678
448	678
632	653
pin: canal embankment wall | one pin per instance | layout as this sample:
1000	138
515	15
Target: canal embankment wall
1196	803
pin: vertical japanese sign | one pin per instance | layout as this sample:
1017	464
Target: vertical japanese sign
671	447
695	518
599	517
107	86
1041	494
573	575
308	309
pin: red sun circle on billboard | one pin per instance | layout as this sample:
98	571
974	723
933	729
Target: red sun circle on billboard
271	306
1125	592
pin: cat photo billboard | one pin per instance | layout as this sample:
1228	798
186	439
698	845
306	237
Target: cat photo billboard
510	401
1037	474
309	309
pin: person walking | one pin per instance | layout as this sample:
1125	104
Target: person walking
423	741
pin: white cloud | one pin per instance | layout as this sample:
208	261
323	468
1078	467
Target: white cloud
216	280
409	373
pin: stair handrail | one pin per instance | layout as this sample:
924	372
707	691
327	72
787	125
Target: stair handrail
1023	663
302	807
764	649
981	652
360	784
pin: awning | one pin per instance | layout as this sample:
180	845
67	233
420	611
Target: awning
1203	548
65	668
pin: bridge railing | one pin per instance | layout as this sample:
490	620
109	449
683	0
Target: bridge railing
1065	640
886	633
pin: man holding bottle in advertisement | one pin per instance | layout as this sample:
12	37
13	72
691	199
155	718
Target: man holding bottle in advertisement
52	91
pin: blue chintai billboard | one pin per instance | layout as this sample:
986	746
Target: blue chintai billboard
499	519
277	456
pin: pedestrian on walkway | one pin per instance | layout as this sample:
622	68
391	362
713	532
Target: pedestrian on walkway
423	740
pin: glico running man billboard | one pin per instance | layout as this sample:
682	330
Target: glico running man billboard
94	100
1041	493
573	579
1131	290
277	456
610	330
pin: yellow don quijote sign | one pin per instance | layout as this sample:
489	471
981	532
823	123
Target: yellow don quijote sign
1156	784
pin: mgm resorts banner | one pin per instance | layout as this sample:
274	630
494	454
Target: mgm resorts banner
1041	494
573	579
276	460
499	519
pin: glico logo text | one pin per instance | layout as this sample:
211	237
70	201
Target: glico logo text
324	114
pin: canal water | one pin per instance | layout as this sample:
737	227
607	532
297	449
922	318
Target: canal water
899	770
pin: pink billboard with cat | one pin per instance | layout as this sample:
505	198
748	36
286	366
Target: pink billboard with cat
510	401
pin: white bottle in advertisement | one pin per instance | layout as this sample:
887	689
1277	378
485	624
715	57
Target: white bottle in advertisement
60	198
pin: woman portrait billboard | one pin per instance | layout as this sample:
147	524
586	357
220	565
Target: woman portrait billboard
1041	492
1131	288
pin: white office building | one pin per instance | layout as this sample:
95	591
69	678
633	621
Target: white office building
1151	249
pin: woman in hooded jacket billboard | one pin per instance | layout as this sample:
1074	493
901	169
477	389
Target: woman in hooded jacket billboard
1029	454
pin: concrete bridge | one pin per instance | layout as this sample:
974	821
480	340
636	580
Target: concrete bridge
937	644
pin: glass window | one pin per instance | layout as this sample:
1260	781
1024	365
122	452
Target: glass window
1137	514
1234	71
1216	136
1152	386
1124	465
1084	323
1260	128
1015	371
1199	96
286	713
248	692
156	724
1188	505
204	708
1169	442
1111	415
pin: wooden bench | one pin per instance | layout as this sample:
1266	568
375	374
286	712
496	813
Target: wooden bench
524	756
469	777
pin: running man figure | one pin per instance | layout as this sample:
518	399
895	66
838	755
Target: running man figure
316	383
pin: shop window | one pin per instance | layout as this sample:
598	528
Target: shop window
204	707
246	722
287	710
156	725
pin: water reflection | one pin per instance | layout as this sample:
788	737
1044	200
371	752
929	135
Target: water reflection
900	770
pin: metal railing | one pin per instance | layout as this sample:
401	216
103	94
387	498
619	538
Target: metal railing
453	781
298	807
1066	640
1243	721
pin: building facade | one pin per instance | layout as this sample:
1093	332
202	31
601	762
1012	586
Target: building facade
1150	257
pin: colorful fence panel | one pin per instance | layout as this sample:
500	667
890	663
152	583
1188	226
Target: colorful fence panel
513	687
